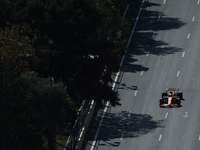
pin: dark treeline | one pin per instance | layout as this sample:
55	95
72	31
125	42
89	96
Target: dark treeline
53	55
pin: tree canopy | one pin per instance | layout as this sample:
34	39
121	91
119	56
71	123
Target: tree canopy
54	54
73	41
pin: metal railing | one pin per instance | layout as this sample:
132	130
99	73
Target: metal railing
78	125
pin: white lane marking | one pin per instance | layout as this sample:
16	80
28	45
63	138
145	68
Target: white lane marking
193	18
142	73
199	137
188	36
148	53
160	137
153	35
178	73
126	10
198	2
186	115
133	30
129	113
116	78
95	138
183	54
135	93
158	18
122	136
166	115
81	133
164	1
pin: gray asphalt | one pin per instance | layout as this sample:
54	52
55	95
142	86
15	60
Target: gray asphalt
164	53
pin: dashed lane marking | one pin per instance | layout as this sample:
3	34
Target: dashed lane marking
178	73
160	137
183	54
188	36
147	53
193	18
153	35
166	115
142	73
158	18
164	1
135	93
122	136
129	113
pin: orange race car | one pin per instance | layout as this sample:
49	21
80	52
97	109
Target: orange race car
171	98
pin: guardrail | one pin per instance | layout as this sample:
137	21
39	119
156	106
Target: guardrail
84	115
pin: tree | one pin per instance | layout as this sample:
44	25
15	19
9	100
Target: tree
15	51
30	106
67	34
30	109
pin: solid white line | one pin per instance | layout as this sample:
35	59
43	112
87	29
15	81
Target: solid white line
95	138
125	10
122	61
135	24
188	36
122	136
135	93
160	137
116	78
164	1
166	115
178	73
193	18
183	54
142	73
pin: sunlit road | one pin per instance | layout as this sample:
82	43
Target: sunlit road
164	52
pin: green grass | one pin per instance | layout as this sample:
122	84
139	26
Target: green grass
61	141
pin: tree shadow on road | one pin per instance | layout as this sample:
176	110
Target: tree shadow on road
143	39
126	125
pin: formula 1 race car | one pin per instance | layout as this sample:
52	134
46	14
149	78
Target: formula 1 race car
171	98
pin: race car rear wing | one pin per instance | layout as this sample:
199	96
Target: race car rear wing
172	89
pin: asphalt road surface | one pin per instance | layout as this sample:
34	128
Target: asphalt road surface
164	52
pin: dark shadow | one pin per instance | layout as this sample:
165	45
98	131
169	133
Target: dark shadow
172	107
126	125
149	21
148	4
143	39
123	86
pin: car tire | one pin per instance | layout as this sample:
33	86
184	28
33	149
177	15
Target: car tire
161	101
164	94
180	94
